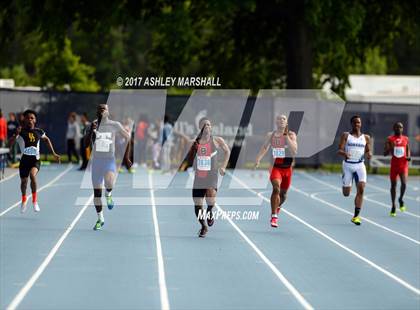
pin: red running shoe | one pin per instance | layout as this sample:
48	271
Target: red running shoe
274	222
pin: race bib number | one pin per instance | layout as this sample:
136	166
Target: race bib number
204	163
279	152
103	142
31	151
399	151
356	155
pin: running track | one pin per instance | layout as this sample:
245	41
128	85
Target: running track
149	257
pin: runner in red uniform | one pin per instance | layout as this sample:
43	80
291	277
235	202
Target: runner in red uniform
398	145
284	147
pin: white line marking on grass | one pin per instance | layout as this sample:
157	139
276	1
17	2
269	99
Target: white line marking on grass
365	198
9	177
164	300
28	285
273	268
39	189
342	246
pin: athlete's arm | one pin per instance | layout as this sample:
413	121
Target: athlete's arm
127	136
264	149
388	147
50	146
183	136
408	150
291	140
89	133
342	144
368	152
222	144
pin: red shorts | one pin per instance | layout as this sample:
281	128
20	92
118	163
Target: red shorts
396	170
282	174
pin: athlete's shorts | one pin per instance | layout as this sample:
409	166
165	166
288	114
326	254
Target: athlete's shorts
26	165
396	170
282	174
100	166
356	171
200	192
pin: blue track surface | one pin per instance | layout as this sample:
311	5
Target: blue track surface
315	259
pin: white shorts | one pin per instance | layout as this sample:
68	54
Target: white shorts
356	171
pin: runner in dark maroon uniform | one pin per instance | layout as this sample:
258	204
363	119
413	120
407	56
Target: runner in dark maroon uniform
203	154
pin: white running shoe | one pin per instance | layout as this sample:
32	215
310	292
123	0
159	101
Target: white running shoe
23	206
36	207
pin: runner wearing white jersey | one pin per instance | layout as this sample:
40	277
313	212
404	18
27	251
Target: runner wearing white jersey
354	147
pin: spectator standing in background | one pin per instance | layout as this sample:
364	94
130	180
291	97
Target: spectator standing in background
155	134
141	139
84	148
73	133
167	143
3	129
12	126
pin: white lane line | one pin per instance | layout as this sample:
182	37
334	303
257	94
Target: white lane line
305	304
380	189
365	198
39	189
9	177
314	196
415	188
164	300
342	246
30	283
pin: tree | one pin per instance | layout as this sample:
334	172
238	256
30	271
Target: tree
17	73
248	43
58	67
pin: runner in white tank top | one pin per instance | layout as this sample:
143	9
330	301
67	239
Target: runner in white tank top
354	146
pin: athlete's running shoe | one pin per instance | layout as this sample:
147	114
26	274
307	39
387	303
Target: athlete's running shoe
109	202
210	218
356	220
274	222
202	232
23	206
98	225
36	207
402	205
393	212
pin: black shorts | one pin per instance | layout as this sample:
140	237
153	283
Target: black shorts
26	165
200	192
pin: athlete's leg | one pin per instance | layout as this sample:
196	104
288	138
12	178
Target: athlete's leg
346	191
109	169
109	180
198	198
275	196
403	179
283	196
358	200
286	181
211	201
393	194
97	193
34	185
23	186
347	179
